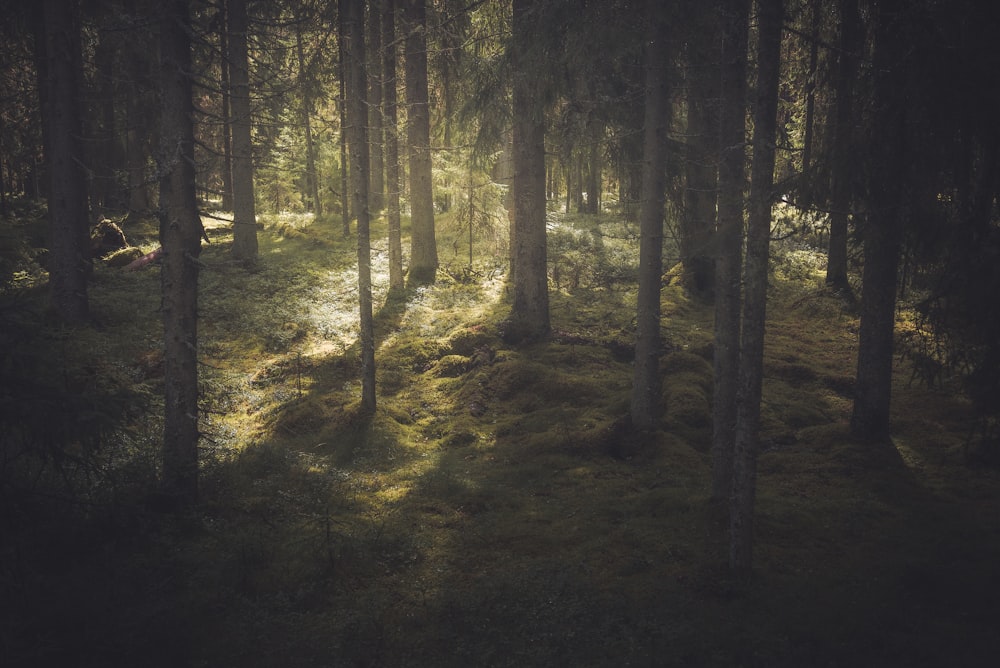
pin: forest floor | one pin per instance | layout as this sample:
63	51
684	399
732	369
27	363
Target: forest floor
489	514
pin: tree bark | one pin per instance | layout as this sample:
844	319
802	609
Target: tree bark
729	235
353	16
769	20
345	180
843	151
225	102
376	140
180	238
882	231
244	206
69	263
701	153
423	245
647	402
529	319
312	178
391	129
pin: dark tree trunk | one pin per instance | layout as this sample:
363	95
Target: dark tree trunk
882	231
391	129
702	150
227	134
353	16
141	133
345	179
69	262
105	191
423	245
244	207
807	140
843	151
732	177
647	404
180	238
312	178
769	19
376	141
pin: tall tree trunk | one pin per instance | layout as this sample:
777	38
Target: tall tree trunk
647	404
140	130
732	177
226	103
244	207
844	168
312	181
701	152
423	245
391	128
769	20
353	16
529	317
105	191
807	141
69	252
180	238
882	231
594	170
375	140
345	180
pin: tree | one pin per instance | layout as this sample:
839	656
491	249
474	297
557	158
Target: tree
843	173
729	235
244	207
352	15
751	372
529	318
180	238
69	258
391	128
701	150
882	230
375	113
312	178
646	403
423	245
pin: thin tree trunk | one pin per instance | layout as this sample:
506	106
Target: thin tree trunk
227	134
180	238
244	206
732	176
353	14
769	19
807	141
69	263
312	182
647	402
423	245
345	179
529	319
376	141
391	123
882	231
843	148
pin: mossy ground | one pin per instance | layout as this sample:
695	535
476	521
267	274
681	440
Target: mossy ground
487	514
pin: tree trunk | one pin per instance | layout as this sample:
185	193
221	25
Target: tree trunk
353	16
227	134
375	140
529	319
647	404
312	181
702	150
732	176
843	151
244	207
807	141
423	245
391	129
180	238
882	231
345	180
769	18
69	263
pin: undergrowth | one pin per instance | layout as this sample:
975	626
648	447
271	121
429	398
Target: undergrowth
487	513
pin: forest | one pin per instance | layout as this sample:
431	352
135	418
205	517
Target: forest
499	333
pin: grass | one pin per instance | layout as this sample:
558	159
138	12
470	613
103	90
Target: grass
486	515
